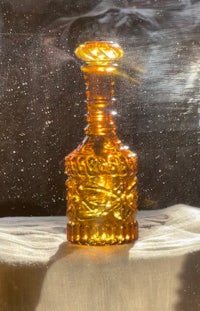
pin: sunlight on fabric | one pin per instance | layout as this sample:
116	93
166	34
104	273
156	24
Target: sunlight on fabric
169	232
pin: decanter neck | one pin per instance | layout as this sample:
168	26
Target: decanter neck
99	81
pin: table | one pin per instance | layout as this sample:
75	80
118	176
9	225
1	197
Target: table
40	270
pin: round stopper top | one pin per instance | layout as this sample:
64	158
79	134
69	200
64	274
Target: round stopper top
99	52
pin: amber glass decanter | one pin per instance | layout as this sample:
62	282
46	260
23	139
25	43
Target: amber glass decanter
102	182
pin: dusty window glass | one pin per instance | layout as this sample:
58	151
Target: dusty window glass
42	97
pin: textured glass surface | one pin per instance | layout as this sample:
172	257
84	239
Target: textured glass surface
102	183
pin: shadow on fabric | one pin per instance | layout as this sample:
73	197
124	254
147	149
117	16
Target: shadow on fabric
189	290
16	280
21	285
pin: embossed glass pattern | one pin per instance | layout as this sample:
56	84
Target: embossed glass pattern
102	182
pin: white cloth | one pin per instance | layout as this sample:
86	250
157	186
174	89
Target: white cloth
40	271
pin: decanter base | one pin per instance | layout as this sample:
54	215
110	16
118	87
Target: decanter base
86	233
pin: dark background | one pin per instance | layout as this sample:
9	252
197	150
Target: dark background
42	96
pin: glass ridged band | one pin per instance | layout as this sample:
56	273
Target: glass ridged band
98	234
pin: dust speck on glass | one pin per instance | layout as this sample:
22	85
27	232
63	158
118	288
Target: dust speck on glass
42	94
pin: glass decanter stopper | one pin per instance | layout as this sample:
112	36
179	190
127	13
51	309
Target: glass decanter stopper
102	182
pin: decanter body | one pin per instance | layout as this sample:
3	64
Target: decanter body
102	182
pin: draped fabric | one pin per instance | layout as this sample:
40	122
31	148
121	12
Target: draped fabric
40	270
